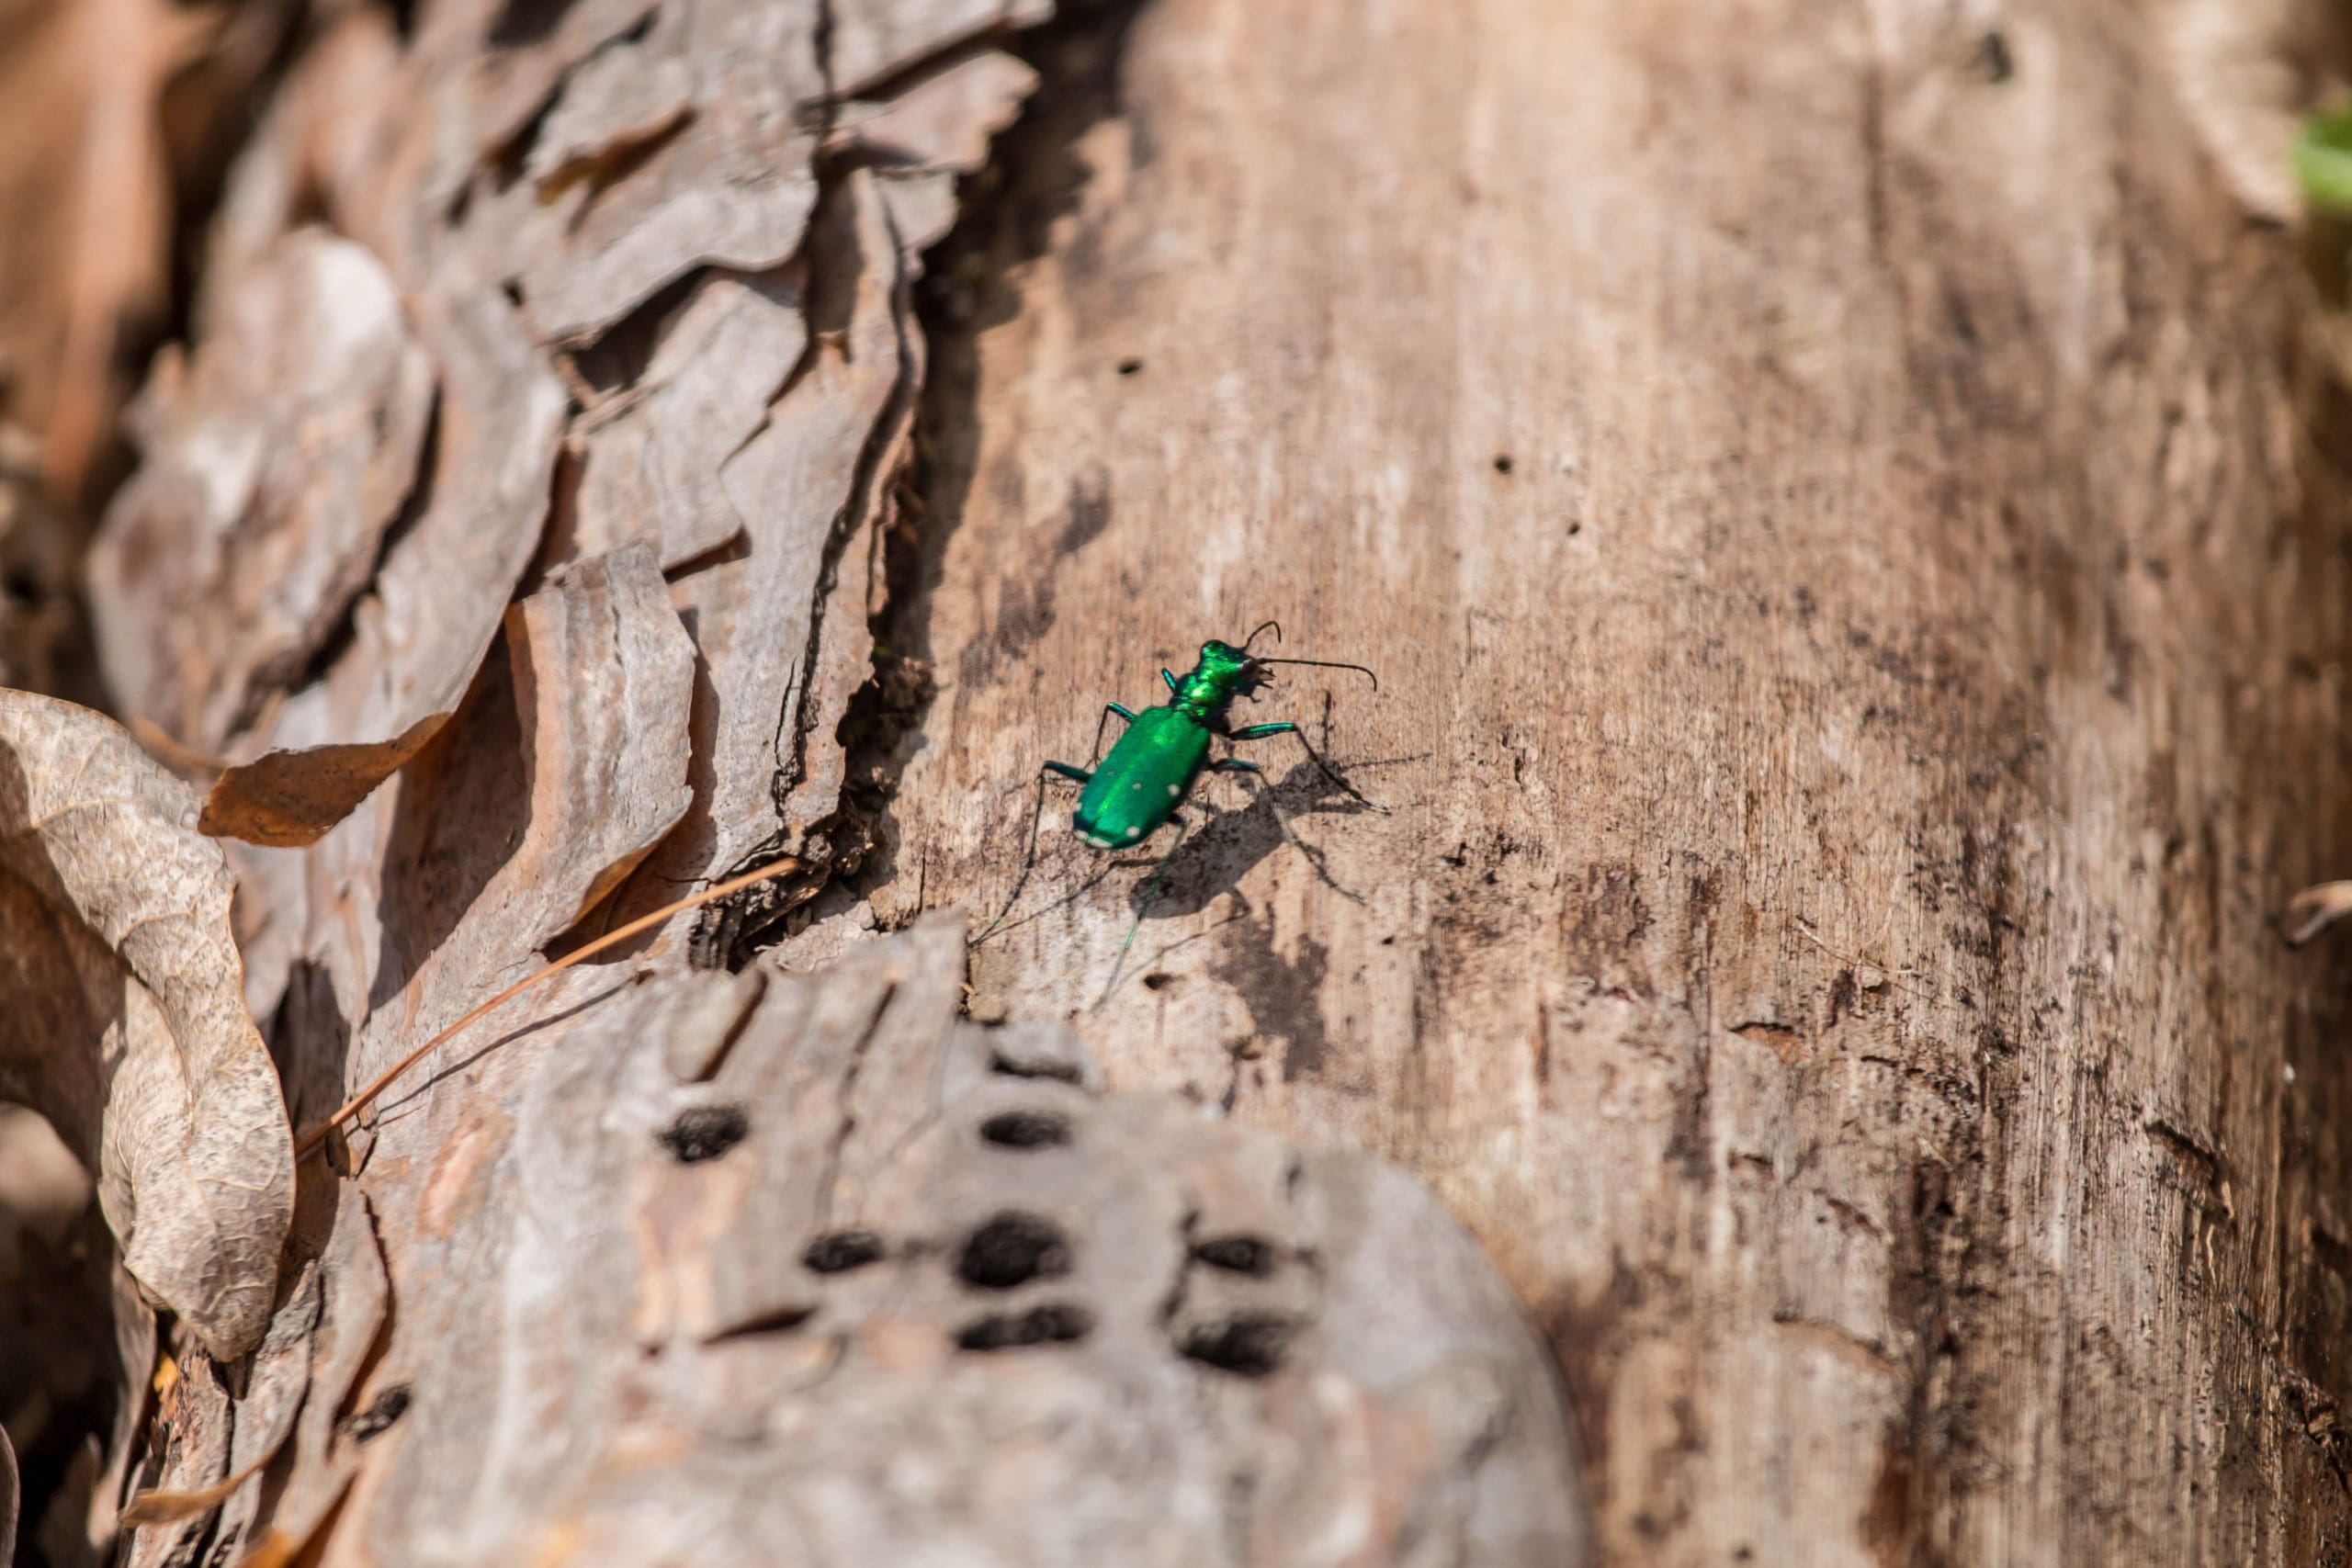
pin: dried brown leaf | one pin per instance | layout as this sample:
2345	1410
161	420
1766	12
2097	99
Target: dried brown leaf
274	469
126	1024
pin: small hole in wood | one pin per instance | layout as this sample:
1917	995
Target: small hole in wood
1250	1255
378	1418
704	1132
1502	462
842	1251
1158	980
1055	1323
1248	1345
1013	1249
1130	366
1026	1130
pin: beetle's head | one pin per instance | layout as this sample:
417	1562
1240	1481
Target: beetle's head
1231	669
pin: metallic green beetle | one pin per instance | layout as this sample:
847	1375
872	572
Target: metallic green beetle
1150	772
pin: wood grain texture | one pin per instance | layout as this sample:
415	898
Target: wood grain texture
1861	629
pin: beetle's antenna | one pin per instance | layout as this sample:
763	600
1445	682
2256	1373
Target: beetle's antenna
1253	636
1326	664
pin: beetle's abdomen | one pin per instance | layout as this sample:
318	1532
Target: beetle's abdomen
1143	780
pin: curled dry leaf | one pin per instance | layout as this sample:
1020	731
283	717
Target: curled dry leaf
274	469
125	1024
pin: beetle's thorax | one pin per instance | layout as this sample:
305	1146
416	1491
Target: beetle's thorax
1222	671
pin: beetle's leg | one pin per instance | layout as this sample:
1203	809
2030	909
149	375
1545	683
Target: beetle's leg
1104	723
1237	765
1267	731
1029	860
1170	676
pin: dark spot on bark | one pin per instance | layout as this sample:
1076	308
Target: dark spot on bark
704	1132
842	1251
1130	366
1250	1255
1158	980
378	1418
1993	60
1089	511
1502	462
1013	1249
1027	1129
1055	1323
1842	994
1248	1344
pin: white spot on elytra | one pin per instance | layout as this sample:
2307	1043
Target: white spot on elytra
1173	792
1135	833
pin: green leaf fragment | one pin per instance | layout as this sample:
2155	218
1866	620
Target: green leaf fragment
2324	159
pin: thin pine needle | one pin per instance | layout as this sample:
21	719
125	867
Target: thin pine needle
312	1140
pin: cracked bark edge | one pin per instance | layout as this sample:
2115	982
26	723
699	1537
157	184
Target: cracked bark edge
1001	213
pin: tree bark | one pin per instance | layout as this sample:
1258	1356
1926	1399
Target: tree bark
1858	598
1854	564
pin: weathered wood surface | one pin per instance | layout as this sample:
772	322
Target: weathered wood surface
556	604
1861	627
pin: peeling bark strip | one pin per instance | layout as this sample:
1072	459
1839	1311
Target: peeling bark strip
1859	631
